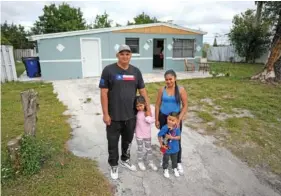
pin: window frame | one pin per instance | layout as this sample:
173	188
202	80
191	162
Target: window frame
135	46
182	46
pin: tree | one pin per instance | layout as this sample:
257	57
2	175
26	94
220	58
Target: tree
249	42
59	19
272	70
101	21
15	35
205	49
143	19
5	41
215	42
258	13
118	25
130	23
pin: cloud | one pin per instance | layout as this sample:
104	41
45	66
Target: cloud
18	11
213	17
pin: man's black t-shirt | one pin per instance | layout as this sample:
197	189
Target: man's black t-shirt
122	87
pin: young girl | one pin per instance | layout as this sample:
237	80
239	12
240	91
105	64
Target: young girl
143	134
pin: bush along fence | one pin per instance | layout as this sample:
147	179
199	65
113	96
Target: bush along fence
25	153
8	68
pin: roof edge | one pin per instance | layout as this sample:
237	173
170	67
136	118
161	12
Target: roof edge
103	30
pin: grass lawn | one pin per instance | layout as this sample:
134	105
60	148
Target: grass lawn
20	68
254	137
63	173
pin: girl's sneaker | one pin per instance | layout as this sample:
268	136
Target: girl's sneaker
176	172
166	173
180	168
128	164
152	166
141	166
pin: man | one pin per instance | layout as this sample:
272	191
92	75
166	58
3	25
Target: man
119	84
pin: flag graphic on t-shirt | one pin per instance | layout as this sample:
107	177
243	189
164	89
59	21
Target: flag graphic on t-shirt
125	77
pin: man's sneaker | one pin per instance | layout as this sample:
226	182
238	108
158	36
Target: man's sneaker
166	173
114	172
128	165
176	172
141	166
180	168
152	166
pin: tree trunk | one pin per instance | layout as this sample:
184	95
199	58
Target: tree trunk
258	14
277	69
275	50
273	60
13	149
246	58
30	107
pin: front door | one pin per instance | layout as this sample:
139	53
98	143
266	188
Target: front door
158	54
91	57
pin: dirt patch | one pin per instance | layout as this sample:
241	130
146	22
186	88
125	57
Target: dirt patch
228	97
208	122
193	118
238	113
208	101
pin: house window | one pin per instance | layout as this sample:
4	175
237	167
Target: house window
183	48
134	44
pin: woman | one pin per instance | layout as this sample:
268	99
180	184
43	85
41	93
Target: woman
171	98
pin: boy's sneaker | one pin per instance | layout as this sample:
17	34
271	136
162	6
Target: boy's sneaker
114	172
180	168
161	162
128	165
152	166
141	166
166	173
176	172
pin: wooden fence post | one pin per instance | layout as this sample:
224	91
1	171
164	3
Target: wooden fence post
30	107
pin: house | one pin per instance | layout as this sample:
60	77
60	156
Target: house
84	53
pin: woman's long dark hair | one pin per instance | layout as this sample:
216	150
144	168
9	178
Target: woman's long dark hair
177	92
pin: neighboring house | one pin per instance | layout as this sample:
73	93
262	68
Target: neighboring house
80	54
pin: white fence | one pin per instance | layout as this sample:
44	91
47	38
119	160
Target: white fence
19	53
223	53
8	68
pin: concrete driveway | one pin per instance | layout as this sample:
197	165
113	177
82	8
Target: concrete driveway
209	170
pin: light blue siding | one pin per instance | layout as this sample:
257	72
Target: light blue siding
145	65
144	37
67	70
61	71
48	51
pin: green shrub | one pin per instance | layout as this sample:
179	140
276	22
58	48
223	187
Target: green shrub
31	155
7	171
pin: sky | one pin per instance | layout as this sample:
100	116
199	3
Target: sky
213	17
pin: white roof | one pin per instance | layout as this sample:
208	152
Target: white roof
102	30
